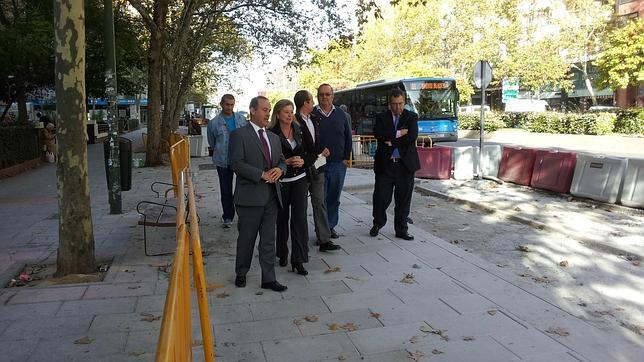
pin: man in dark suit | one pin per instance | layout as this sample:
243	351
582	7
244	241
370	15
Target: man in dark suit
256	158
395	163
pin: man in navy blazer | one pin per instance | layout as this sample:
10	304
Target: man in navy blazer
256	158
395	163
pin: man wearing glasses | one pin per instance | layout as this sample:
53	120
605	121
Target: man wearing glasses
303	100
335	135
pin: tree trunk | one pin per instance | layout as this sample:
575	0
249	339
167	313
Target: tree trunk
21	99
155	58
75	229
589	84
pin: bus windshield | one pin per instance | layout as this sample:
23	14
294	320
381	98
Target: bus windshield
432	99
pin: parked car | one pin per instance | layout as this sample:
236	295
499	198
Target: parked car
526	105
603	109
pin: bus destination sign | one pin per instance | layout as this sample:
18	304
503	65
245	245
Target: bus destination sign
428	85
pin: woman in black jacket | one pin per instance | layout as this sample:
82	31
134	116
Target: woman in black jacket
294	189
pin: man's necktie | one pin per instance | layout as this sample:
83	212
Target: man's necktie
395	154
265	150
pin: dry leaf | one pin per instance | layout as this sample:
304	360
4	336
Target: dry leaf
375	315
334	326
543	279
456	241
350	327
342	358
492	311
136	353
223	295
414	339
311	318
636	263
558	331
523	248
435	351
517	209
416	266
259	292
297	322
408	278
563	263
159	264
84	340
426	329
415	356
211	287
468	338
332	270
147	317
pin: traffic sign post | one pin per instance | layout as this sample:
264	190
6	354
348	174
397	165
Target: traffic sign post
482	78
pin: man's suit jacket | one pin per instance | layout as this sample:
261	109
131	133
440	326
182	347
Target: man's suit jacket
384	132
247	161
311	148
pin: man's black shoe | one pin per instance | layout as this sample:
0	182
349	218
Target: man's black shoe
240	281
329	246
334	235
374	230
405	236
274	286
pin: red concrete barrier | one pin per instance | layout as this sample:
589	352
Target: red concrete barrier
435	162
517	164
553	170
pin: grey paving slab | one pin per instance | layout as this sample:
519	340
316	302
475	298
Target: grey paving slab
97	306
64	349
468	303
524	343
343	259
326	323
135	274
344	272
231	313
37	295
234	352
28	311
16	352
242	295
375	299
378	340
312	348
315	289
123	323
288	308
139	342
425	310
46	327
368	249
483	349
119	290
256	331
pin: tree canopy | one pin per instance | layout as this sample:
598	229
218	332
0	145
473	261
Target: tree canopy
622	62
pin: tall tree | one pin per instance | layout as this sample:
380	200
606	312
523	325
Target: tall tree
26	54
76	236
622	62
193	32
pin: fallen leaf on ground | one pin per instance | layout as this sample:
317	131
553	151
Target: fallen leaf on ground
563	263
159	264
84	340
334	326
414	339
128	270
517	209
297	322
435	351
636	263
408	278
332	270
558	331
342	358
523	248
211	287
431	205
312	318
544	279
259	292
492	311
416	266
136	353
456	241
468	338
426	329
352	277
147	317
350	327
223	295
415	356
375	315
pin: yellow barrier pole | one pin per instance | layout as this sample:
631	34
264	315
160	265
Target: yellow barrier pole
200	277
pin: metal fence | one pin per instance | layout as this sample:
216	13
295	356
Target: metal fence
364	150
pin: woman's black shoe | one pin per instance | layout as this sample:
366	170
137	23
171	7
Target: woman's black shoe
300	269
283	261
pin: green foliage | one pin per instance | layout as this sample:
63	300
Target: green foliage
471	120
630	121
622	62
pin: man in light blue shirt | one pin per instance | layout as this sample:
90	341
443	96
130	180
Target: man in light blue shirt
219	129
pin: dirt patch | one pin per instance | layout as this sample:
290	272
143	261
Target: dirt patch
42	275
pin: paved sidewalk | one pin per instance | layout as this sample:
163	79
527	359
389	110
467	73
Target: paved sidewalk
379	299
